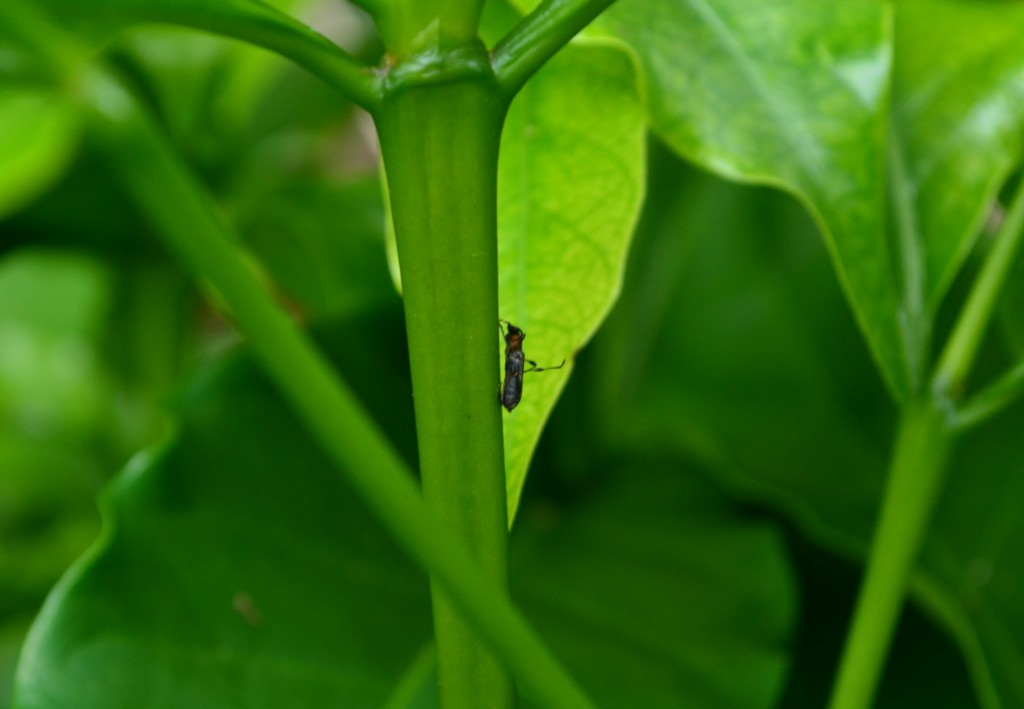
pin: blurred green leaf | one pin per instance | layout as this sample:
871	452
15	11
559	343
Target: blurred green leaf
54	425
323	242
778	399
52	308
230	104
925	667
791	94
12	634
38	137
657	594
54	416
237	570
738	350
205	90
958	114
570	184
971	562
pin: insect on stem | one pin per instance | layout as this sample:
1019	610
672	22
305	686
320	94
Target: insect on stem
512	390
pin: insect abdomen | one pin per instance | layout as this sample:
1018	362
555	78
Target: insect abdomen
512	391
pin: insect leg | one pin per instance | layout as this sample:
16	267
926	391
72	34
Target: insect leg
535	368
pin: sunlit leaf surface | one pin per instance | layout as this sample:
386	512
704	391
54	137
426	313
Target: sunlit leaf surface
791	94
571	179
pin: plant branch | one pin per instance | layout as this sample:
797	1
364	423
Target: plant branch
183	216
914	482
991	400
259	24
440	146
538	37
962	346
411	26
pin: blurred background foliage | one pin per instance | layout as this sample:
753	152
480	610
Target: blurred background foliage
728	408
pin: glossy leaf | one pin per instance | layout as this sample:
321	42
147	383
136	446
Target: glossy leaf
958	116
790	94
38	137
570	185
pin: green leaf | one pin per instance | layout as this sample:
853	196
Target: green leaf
323	242
958	114
658	594
54	427
237	570
790	94
970	566
38	137
52	383
738	350
777	397
570	184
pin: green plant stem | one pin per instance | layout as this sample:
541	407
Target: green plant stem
440	147
258	24
923	443
409	26
421	673
915	480
962	347
182	215
997	396
538	37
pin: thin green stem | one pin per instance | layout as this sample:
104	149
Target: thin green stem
925	437
538	37
991	400
420	672
182	215
914	483
265	26
440	145
962	347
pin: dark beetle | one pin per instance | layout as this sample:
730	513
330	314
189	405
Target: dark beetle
512	390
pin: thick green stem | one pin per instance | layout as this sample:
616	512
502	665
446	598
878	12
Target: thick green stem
410	26
915	480
186	220
440	146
